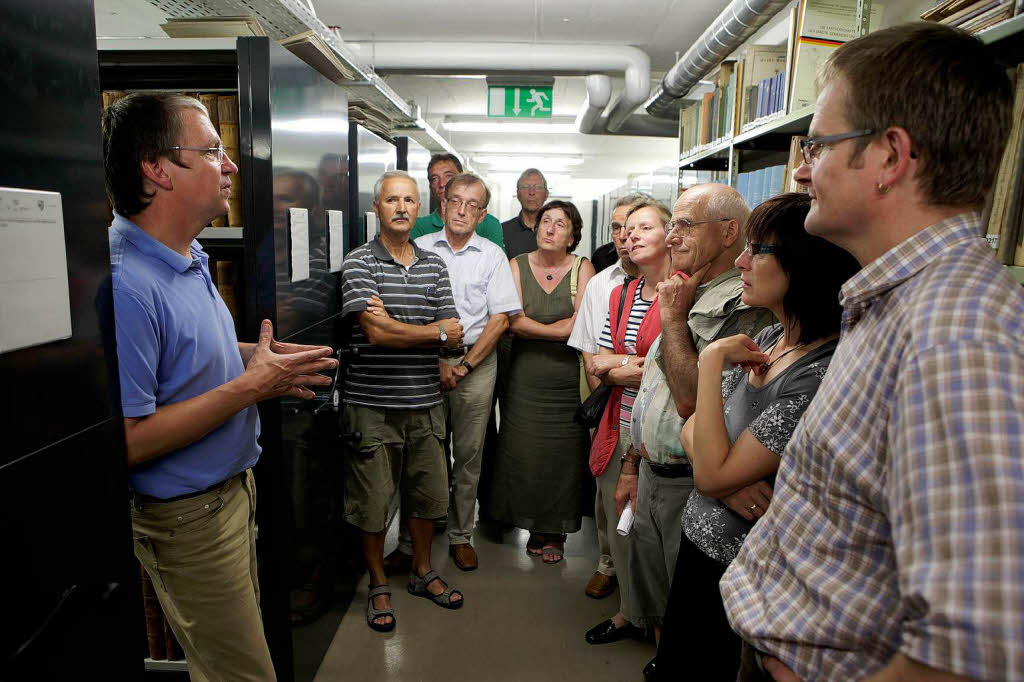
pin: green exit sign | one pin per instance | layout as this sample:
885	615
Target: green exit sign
519	101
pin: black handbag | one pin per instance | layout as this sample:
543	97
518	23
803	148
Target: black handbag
589	412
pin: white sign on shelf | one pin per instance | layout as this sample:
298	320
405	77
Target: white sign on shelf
371	226
298	221
336	239
35	306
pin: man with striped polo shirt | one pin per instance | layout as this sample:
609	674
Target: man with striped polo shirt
393	393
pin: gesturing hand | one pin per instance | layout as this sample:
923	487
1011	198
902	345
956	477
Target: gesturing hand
736	350
285	369
677	294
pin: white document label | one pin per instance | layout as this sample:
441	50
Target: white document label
336	239
371	226
34	303
298	221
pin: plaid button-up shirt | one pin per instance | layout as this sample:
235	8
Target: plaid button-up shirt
897	523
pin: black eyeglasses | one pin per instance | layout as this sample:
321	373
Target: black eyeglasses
682	226
757	248
811	147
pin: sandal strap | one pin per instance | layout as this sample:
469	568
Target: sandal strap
379	590
421	581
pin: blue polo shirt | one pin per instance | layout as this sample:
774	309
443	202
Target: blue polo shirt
176	340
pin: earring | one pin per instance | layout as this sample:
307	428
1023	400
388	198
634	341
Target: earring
883	189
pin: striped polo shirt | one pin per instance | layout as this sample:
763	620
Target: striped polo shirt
399	378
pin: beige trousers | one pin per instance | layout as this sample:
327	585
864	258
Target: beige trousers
617	544
201	554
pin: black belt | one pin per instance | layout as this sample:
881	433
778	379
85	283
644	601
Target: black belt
681	470
449	353
142	497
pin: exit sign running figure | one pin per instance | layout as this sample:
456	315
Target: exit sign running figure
525	101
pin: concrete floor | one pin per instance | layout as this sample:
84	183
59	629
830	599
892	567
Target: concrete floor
523	620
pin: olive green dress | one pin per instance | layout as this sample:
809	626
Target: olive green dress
540	474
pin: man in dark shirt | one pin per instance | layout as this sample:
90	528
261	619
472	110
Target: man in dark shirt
520	235
393	393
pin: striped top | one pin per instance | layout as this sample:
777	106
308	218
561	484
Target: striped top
636	318
897	523
398	378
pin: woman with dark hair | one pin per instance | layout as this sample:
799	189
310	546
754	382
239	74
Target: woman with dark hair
540	473
743	420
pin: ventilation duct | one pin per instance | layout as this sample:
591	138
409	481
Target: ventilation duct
733	27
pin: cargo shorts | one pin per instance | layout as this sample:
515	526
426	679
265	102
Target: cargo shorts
400	451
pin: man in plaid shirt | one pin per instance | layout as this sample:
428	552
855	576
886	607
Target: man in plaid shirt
894	545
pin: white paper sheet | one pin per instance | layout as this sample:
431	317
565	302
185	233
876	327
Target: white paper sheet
371	226
298	221
336	239
34	304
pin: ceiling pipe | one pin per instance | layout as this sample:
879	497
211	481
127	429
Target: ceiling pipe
590	120
733	27
599	94
544	58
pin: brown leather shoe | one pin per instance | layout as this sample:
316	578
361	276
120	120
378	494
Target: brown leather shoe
601	585
397	563
464	556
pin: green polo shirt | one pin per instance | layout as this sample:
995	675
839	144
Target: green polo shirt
489	228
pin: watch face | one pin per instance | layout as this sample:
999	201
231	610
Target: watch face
444	335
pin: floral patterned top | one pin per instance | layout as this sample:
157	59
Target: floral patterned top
771	413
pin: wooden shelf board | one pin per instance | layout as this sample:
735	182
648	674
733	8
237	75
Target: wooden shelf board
166	666
1017	271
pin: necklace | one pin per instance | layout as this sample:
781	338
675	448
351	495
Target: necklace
550	275
763	369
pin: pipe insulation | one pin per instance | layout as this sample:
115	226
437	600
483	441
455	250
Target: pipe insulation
564	59
733	27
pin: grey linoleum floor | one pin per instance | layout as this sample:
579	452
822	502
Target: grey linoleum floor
522	620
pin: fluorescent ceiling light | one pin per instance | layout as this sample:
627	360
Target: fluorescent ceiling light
527	161
312	125
509	127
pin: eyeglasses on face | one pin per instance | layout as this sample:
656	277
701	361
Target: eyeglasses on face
683	226
535	188
216	154
758	248
454	204
811	147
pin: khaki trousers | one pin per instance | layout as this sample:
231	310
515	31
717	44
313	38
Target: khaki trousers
467	408
201	554
617	544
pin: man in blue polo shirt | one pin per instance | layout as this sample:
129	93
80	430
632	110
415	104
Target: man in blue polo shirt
188	387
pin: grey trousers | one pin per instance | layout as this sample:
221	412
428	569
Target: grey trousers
654	544
617	544
467	408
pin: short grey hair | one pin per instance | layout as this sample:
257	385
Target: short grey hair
528	172
463	179
722	201
389	175
632	199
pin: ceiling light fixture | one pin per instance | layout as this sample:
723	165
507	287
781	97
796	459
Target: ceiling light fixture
509	127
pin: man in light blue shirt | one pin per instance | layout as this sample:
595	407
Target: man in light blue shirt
485	295
188	387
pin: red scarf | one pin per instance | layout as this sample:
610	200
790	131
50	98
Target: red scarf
607	435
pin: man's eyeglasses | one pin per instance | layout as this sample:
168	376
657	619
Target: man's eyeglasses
757	248
213	153
535	188
811	147
454	204
684	226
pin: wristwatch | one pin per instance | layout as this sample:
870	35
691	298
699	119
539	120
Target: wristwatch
625	361
443	336
465	363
